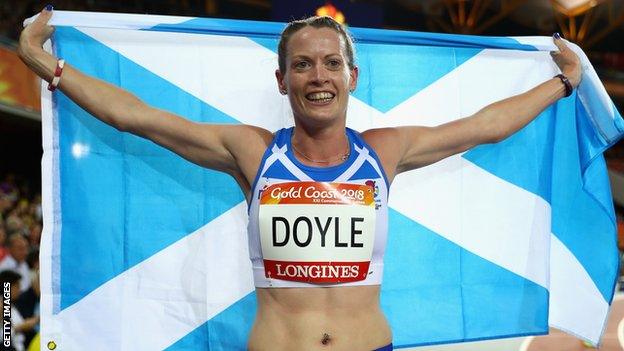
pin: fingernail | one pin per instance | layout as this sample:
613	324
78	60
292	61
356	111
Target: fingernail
557	36
49	7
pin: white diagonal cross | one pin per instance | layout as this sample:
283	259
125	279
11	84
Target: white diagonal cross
235	75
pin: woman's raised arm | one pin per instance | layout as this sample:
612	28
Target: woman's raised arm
213	146
416	146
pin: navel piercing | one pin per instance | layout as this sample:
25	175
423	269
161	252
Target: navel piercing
325	339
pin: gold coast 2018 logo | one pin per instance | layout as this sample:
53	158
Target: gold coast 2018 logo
373	185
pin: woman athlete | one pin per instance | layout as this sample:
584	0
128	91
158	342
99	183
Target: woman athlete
303	306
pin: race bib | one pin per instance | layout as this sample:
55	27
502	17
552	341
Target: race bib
317	232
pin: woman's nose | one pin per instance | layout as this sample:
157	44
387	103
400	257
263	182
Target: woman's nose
320	74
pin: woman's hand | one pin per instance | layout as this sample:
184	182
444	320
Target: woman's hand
35	34
567	60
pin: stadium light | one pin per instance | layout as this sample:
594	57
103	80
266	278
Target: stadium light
330	10
573	8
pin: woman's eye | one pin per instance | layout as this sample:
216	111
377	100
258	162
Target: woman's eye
301	64
334	63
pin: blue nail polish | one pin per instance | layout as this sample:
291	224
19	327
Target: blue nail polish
557	36
49	7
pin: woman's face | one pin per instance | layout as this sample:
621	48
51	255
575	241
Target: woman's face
317	78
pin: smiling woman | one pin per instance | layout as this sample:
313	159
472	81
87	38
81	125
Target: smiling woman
318	74
317	255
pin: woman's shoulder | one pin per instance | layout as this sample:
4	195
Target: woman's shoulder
385	142
250	135
379	137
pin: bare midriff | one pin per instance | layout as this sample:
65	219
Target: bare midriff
336	318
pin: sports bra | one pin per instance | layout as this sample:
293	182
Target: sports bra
318	226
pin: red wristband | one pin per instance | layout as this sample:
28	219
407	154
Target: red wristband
57	75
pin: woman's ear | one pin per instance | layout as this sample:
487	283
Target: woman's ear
353	74
280	82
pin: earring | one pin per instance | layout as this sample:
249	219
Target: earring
283	92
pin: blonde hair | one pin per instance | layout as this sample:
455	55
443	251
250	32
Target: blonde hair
316	22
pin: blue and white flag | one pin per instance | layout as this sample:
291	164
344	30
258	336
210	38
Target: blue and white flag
143	250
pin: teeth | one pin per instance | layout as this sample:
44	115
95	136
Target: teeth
322	96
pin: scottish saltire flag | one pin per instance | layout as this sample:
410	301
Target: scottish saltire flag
145	251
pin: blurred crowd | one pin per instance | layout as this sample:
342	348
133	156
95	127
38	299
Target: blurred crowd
20	234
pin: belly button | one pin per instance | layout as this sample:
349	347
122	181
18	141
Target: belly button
326	339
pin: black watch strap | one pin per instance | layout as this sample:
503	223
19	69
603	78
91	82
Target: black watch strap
566	82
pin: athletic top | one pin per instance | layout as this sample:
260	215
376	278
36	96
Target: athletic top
318	226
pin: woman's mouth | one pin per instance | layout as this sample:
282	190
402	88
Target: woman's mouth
320	97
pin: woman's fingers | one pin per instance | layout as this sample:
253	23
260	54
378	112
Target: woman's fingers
567	60
561	45
41	22
38	31
45	15
564	50
35	34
